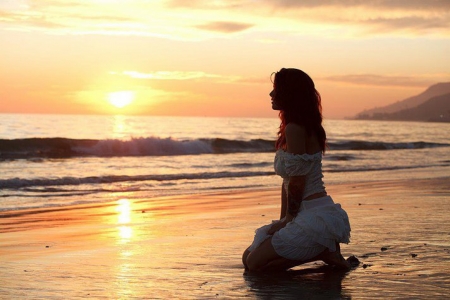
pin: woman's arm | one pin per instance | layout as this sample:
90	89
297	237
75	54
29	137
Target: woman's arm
290	204
294	196
296	144
283	202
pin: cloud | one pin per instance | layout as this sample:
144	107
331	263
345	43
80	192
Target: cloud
167	75
369	17
208	4
414	24
28	20
201	19
433	5
380	4
226	27
386	80
59	16
114	17
372	16
13	5
191	75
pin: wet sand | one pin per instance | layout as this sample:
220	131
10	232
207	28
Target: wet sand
189	247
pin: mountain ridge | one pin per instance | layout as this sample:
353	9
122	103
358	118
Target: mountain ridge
412	106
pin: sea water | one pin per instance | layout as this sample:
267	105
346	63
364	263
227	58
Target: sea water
59	160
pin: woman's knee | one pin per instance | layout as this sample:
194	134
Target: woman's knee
244	257
261	256
253	262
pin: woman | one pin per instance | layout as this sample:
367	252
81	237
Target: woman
311	225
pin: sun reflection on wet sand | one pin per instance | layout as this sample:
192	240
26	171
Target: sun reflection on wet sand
125	232
126	250
124	218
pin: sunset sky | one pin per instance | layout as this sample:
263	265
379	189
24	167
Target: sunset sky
214	58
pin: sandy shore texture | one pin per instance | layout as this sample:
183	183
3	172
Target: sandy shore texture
189	247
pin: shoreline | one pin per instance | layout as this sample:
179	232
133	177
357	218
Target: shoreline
189	246
267	182
11	213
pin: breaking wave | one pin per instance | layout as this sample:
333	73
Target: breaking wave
154	146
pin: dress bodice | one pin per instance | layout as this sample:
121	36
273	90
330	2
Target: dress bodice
309	165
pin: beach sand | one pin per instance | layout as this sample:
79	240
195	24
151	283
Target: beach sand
190	247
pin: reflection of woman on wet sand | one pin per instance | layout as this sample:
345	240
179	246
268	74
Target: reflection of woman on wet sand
306	283
311	225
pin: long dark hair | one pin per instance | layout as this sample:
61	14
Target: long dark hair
299	103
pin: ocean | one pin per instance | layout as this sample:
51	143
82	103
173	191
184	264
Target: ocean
61	160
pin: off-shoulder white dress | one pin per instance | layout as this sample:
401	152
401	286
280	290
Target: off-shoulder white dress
319	224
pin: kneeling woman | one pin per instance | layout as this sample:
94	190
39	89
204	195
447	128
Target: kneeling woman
311	225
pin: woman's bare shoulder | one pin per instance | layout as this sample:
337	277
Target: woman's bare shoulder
295	138
293	129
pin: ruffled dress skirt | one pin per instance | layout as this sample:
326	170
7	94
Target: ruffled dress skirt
319	225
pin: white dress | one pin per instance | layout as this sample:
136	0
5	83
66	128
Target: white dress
319	224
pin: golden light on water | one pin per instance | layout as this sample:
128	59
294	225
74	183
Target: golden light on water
124	210
123	218
125	232
121	99
121	128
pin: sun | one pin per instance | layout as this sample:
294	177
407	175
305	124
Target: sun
121	99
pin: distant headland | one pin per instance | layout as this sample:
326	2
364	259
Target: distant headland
433	105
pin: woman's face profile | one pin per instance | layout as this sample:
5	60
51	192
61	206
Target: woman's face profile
275	105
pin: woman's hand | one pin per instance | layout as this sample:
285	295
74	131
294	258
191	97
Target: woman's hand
277	226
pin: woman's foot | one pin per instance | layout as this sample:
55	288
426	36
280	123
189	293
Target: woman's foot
335	258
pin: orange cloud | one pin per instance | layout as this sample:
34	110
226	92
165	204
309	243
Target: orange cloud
386	80
205	19
227	27
190	75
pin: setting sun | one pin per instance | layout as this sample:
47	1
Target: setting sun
121	99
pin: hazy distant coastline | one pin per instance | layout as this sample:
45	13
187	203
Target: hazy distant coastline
433	105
